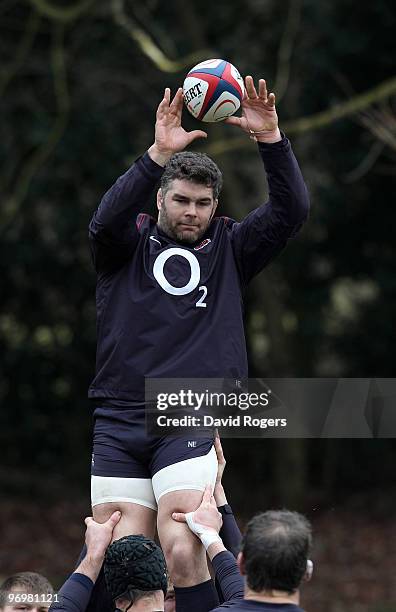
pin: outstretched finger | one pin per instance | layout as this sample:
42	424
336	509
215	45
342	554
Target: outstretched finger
250	88
219	450
177	102
262	89
196	134
179	517
207	495
271	100
162	108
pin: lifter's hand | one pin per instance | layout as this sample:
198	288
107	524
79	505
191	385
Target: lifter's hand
170	136
206	515
98	537
219	493
259	118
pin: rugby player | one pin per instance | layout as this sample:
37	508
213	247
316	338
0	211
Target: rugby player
26	592
273	558
169	305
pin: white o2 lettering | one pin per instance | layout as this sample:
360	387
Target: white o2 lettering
195	274
158	271
201	303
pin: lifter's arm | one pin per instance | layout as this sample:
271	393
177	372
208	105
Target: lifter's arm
205	523
75	594
229	532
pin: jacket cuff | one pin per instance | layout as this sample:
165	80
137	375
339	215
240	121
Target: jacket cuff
150	166
281	145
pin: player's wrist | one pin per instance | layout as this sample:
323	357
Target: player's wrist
158	155
207	534
209	537
215	548
219	495
267	136
91	565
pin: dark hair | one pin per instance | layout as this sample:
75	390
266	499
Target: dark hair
196	167
275	549
29	582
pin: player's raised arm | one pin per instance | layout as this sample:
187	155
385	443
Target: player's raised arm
113	229
259	117
266	230
170	136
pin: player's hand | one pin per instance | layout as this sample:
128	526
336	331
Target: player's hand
218	493
259	117
206	515
170	136
98	536
221	462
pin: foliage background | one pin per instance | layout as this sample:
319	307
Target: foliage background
79	85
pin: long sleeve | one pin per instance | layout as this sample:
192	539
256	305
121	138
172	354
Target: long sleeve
74	594
100	599
265	231
113	230
230	532
228	576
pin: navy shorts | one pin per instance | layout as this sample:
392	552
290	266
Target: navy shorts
122	448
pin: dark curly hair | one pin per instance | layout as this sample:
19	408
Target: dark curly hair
196	167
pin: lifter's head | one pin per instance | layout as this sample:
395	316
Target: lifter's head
188	196
136	574
28	589
275	552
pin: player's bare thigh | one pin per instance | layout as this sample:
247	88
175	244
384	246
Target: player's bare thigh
178	488
184	553
135	518
133	497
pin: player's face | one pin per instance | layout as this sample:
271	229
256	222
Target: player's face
25	606
170	602
185	210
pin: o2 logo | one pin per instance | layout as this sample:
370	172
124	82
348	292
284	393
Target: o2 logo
195	275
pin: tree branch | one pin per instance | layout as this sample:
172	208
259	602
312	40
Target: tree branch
148	46
317	121
61	13
366	164
286	48
22	51
41	154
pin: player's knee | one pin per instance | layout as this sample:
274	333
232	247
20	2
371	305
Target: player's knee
184	557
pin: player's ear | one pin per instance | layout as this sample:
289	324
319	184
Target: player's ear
308	571
214	209
241	564
160	198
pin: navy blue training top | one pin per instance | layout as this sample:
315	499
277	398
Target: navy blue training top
168	309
